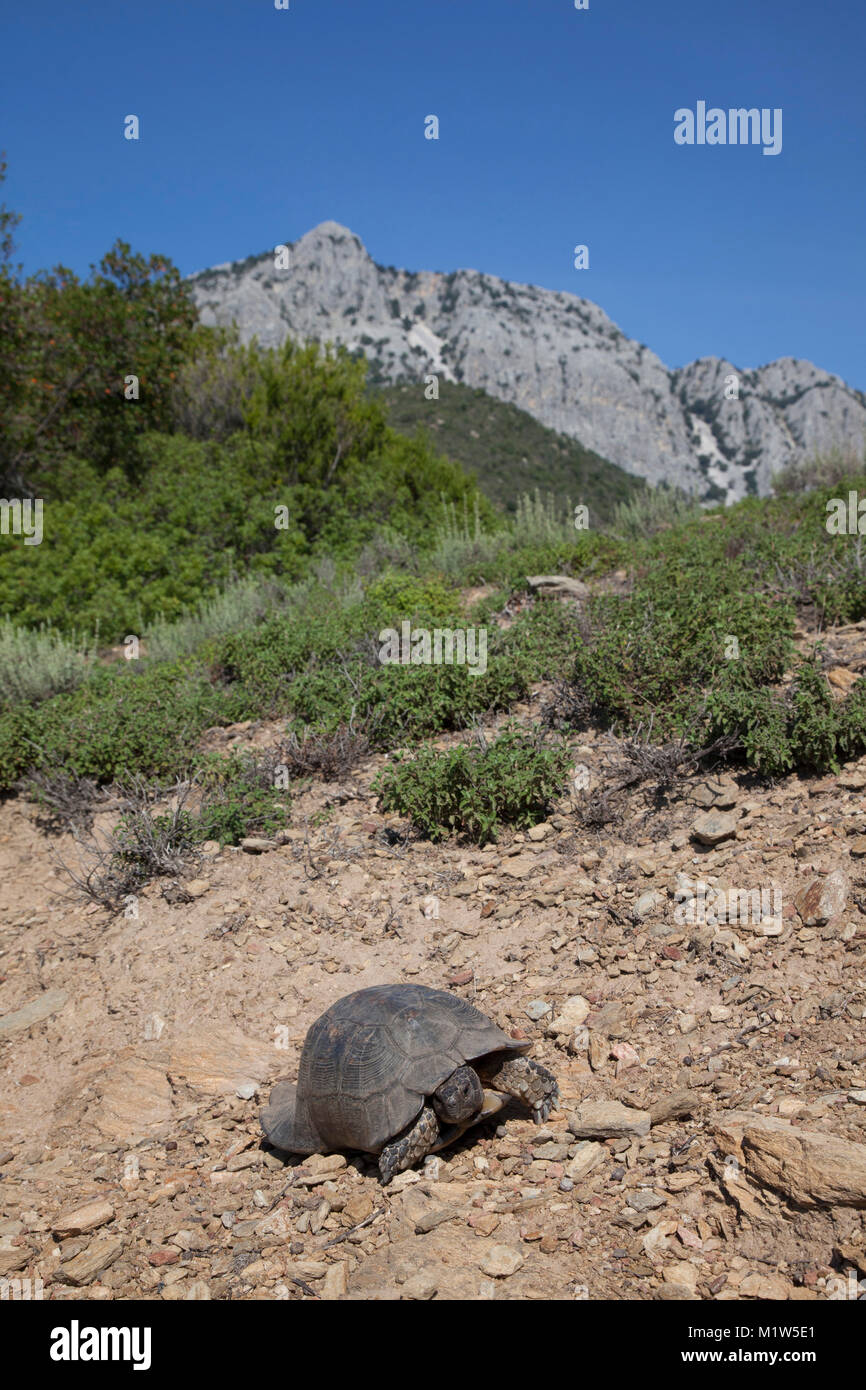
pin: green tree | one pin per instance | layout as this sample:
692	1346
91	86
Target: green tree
66	349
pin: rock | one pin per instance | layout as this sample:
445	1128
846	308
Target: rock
257	844
857	846
78	1220
823	899
358	1207
648	904
841	679
197	1292
764	1286
247	1090
687	1023
713	827
857	1097
682	1273
645	1200
520	866
602	1119
719	1013
219	1060
572	1015
502	1261
99	1254
197	886
38	1009
421	1287
676	1106
136	1102
808	1166
559	584
335	1283
539	832
588	1157
537	1009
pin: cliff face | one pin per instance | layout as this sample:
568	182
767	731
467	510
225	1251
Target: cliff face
553	354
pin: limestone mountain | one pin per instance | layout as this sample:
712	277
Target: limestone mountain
555	355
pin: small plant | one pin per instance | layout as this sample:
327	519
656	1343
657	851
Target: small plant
323	755
476	790
240	795
38	663
650	512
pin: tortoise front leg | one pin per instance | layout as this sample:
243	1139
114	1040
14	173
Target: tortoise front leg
414	1144
530	1082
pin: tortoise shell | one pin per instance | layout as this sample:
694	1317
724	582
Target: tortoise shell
369	1062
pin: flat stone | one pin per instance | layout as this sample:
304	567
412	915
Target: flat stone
645	1200
537	1009
219	1060
648	904
573	1013
502	1261
135	1102
75	1221
539	832
608	1119
823	899
519	866
40	1008
811	1167
99	1254
713	827
588	1157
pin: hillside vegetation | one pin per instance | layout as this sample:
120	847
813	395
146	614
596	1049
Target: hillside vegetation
250	523
507	451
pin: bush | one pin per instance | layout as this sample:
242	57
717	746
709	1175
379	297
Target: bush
37	664
476	790
123	721
656	653
240	795
653	511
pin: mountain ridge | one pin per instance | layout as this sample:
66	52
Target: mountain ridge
553	354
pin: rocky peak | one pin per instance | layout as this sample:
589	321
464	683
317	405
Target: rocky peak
555	355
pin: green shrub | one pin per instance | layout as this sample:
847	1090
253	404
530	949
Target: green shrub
37	664
240	795
476	791
652	511
124	720
655	653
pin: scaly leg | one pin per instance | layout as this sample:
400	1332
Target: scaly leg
417	1142
530	1082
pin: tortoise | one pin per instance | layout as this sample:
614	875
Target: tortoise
397	1070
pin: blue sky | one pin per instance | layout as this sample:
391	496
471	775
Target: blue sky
556	129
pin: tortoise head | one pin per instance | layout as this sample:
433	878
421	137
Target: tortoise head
459	1097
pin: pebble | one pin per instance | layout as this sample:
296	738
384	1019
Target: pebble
537	1009
502	1261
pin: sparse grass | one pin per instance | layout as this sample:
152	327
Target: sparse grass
827	470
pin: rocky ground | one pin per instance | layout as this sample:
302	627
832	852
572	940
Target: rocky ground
711	1142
